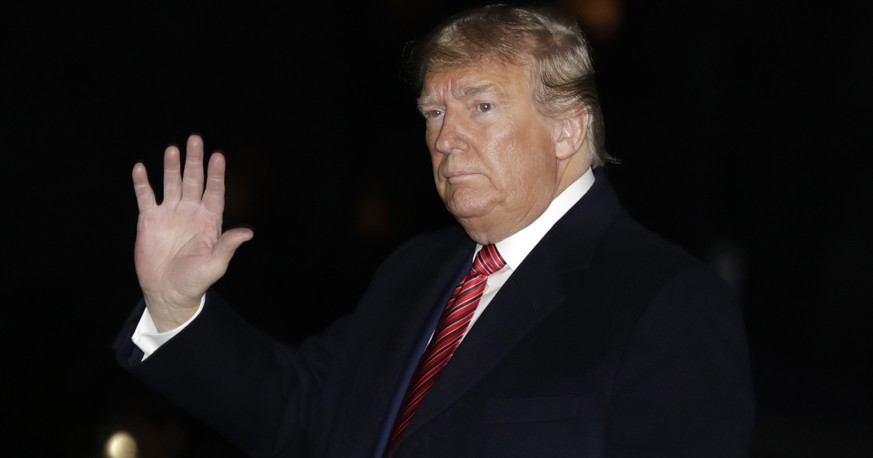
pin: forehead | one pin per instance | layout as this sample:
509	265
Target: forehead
491	76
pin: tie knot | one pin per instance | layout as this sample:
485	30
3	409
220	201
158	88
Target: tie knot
488	261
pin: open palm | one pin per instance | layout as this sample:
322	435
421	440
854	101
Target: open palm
180	248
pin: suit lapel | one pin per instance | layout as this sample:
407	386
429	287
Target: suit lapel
531	293
384	368
526	298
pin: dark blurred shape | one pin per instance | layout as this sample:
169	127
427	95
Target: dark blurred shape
600	19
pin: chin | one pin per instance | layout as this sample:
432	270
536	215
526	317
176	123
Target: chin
468	202
466	211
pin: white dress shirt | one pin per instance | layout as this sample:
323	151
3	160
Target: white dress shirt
517	246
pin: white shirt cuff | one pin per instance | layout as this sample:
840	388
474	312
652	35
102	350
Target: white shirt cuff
147	337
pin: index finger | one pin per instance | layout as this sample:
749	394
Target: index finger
213	197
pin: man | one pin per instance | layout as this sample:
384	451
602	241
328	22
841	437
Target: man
593	337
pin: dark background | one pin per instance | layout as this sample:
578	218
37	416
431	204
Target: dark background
742	127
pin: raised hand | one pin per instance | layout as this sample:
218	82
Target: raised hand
180	247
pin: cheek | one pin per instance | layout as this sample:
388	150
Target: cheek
429	135
436	158
514	156
525	163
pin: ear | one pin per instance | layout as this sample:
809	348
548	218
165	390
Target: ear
571	132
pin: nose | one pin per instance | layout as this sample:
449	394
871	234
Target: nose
450	136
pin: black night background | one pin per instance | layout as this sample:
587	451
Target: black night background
742	127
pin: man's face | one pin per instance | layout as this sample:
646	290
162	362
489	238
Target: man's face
493	154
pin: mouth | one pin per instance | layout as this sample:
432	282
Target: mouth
458	176
451	173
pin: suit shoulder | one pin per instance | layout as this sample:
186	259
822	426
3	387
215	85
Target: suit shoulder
647	254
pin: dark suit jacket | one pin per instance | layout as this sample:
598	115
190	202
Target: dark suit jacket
606	341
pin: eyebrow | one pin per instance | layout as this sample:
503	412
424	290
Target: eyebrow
461	93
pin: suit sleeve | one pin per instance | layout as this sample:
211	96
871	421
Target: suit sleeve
683	388
258	392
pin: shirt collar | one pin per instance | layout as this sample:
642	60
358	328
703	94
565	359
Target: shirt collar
517	246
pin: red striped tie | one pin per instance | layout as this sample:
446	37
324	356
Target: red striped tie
447	336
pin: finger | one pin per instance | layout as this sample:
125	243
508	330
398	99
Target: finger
228	243
172	174
192	179
213	197
145	197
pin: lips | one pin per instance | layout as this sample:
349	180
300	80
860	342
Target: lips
454	172
459	176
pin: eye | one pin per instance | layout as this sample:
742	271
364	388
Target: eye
430	114
484	107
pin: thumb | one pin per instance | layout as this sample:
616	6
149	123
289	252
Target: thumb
229	241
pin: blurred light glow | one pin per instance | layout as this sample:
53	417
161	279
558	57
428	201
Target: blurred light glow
599	19
121	444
